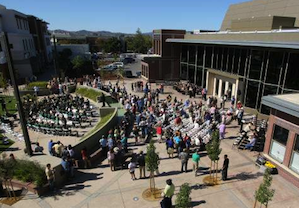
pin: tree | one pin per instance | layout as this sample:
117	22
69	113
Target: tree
3	81
112	45
139	43
214	150
183	198
152	163
264	194
78	63
64	62
100	44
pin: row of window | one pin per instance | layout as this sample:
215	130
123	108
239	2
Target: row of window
276	67
22	24
280	138
28	44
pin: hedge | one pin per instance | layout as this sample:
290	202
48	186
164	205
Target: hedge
42	85
89	93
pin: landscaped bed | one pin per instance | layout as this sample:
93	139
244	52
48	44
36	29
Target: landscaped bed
40	85
10	104
93	94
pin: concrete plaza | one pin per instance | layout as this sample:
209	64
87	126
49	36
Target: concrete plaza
99	187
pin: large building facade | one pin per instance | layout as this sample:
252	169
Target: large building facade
249	58
23	33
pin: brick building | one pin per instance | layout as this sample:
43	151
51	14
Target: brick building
282	138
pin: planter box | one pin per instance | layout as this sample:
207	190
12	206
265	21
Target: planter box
31	187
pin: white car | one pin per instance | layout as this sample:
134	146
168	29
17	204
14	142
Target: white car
119	64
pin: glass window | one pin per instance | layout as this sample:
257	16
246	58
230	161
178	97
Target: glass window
256	64
295	159
184	53
274	67
265	110
230	64
242	62
279	141
192	53
270	90
199	76
208	58
200	54
291	81
217	87
184	71
224	57
236	61
251	95
220	59
215	58
204	78
191	73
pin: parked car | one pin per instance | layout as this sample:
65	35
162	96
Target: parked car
110	67
119	64
128	60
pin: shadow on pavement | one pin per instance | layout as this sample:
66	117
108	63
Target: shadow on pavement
197	203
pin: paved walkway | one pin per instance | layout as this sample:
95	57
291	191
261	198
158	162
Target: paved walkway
99	187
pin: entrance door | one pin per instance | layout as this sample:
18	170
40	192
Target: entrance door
223	88
229	91
217	87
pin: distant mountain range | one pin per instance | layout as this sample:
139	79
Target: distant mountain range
92	33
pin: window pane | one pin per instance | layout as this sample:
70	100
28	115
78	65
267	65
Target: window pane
256	64
296	146
251	95
280	135
270	90
277	151
215	63
199	76
293	72
184	53
224	61
191	73
184	71
208	58
200	55
220	58
243	62
236	61
274	67
265	110
192	54
295	162
230	60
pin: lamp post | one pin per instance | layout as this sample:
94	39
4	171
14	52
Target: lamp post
16	92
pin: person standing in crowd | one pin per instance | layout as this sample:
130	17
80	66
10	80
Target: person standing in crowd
50	147
141	163
159	132
132	166
195	160
111	158
85	158
58	147
222	129
170	147
104	144
184	157
167	194
50	176
225	168
103	99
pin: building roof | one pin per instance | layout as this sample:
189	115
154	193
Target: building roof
266	44
287	103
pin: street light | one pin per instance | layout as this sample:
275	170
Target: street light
16	92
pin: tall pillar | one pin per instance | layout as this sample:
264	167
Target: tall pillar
233	89
220	88
214	87
236	92
207	81
226	87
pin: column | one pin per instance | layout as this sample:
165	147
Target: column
236	92
214	87
233	90
226	87
220	88
207	81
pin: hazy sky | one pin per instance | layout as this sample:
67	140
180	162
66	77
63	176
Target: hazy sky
125	15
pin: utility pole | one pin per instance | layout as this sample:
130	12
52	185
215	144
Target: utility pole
16	92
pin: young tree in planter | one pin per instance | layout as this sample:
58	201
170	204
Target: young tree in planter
152	163
214	150
264	194
183	198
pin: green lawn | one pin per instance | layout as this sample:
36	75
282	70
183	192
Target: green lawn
10	104
89	93
99	125
3	147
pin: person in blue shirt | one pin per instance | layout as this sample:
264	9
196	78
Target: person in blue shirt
50	146
104	144
124	142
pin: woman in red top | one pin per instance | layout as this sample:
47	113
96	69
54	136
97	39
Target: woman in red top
85	158
159	133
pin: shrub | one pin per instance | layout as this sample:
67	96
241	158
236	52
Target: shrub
183	198
24	170
41	85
